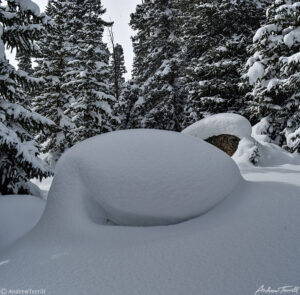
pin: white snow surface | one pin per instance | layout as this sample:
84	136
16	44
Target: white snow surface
224	123
250	239
18	215
255	72
28	5
292	38
141	177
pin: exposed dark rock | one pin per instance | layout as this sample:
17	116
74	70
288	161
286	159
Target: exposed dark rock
225	142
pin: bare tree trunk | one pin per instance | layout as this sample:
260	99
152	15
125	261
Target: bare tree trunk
116	80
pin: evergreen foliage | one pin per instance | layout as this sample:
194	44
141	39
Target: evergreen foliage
126	105
155	70
24	62
273	74
118	69
188	59
89	75
215	36
75	65
53	100
20	24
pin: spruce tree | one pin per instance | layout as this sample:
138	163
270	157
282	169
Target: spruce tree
155	69
24	62
215	35
128	98
118	69
20	24
89	75
272	74
53	100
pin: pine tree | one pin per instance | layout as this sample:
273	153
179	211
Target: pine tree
273	74
156	65
129	96
118	69
25	65
89	75
215	35
53	100
20	24
24	62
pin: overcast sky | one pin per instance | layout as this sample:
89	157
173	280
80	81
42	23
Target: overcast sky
119	12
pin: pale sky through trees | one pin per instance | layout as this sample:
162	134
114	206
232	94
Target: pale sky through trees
119	12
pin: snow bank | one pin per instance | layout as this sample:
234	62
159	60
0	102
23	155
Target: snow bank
250	239
140	177
215	125
271	154
18	215
251	235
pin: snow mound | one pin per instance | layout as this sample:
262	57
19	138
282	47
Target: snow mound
18	215
139	178
224	123
253	235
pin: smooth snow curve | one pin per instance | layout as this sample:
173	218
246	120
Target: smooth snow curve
141	177
250	239
18	215
225	123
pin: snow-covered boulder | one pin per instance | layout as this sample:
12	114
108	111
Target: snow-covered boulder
224	123
230	133
140	177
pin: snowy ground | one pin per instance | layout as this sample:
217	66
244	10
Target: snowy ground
250	239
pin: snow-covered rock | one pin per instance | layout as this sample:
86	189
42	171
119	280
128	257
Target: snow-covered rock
18	215
140	177
224	123
228	124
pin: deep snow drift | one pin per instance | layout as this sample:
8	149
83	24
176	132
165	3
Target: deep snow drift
18	215
250	239
140	177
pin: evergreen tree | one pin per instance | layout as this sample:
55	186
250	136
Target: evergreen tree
273	74
53	100
118	69
24	62
128	98
25	65
20	24
215	35
89	75
156	65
